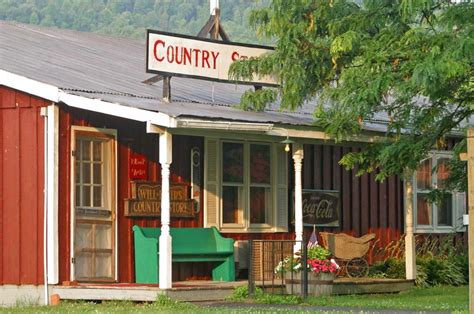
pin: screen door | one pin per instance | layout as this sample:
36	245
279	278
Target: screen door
94	208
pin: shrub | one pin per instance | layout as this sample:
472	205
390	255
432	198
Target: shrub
390	268
441	271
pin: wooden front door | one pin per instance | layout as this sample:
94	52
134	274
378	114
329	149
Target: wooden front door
93	236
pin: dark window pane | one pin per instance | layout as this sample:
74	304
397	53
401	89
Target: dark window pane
259	204
233	162
423	175
442	172
259	163
423	210
231	204
445	211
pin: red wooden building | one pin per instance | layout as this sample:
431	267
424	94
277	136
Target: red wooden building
78	126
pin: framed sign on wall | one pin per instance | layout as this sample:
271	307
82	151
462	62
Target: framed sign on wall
320	208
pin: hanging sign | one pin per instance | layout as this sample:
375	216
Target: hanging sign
321	208
137	167
145	200
181	55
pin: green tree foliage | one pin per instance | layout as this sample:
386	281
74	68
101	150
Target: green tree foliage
407	62
130	18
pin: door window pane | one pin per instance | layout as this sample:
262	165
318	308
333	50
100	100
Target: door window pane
423	175
231	204
97	150
423	210
86	150
97	173
86	172
233	162
86	196
97	196
259	163
259	205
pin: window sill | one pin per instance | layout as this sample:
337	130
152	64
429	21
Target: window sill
249	230
438	230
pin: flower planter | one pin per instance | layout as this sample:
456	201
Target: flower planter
319	284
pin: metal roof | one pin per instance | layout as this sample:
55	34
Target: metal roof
113	69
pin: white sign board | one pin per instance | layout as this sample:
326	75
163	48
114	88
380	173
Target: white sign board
181	55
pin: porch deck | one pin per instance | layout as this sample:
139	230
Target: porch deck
191	291
200	290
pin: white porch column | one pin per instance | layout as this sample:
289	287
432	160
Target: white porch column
165	237
410	254
298	160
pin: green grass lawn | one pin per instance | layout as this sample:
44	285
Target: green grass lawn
442	298
452	299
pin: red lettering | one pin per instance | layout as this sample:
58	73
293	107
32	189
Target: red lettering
170	54
235	56
177	55
196	54
214	57
205	58
187	55
158	42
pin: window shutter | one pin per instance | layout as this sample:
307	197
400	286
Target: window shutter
211	178
460	210
281	190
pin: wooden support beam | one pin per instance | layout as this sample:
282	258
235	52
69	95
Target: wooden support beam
152	80
167	88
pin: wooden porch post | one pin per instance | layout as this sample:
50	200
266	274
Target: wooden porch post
165	237
410	252
298	160
470	228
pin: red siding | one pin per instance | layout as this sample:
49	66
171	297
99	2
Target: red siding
366	205
21	187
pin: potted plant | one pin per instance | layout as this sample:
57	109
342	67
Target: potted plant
321	271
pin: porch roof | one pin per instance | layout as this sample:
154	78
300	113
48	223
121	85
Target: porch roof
112	70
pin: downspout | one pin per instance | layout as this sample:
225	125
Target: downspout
44	114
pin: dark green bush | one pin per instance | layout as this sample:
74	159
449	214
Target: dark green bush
390	268
441	271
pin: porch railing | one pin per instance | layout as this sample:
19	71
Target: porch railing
264	271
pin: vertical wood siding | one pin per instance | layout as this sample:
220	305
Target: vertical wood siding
21	187
367	206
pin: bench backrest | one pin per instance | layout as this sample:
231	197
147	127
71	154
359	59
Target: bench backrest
190	240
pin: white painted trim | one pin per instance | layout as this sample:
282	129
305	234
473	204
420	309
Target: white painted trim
52	166
113	109
223	125
33	87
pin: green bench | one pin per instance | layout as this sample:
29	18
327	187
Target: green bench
188	245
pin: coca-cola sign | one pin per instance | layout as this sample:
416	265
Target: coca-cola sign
321	208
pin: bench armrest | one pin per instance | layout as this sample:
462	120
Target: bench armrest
223	244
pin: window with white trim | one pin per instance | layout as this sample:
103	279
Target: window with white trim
442	216
246	188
